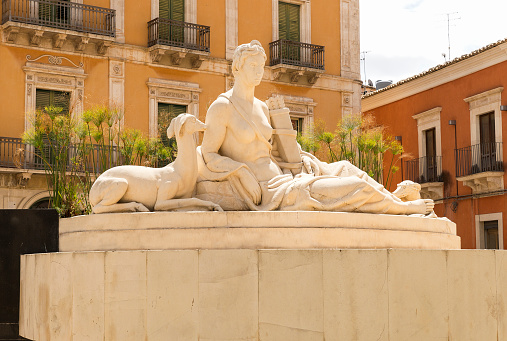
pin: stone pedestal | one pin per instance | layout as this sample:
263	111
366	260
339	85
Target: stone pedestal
265	295
262	276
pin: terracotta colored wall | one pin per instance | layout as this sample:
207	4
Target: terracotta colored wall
397	116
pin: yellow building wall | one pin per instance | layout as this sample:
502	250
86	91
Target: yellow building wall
12	90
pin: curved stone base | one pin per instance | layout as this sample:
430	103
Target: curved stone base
254	230
265	295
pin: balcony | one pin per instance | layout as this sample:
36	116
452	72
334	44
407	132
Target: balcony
296	59
54	23
480	166
426	171
178	40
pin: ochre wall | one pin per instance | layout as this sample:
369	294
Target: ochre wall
12	90
397	116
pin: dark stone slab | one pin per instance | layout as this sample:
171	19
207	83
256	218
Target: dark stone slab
21	232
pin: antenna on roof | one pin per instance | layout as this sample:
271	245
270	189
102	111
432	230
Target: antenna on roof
363	58
449	30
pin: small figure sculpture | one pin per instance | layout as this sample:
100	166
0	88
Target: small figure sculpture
237	150
143	189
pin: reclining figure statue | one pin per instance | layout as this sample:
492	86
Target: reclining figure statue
240	166
249	160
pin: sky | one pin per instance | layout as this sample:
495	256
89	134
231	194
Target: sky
406	37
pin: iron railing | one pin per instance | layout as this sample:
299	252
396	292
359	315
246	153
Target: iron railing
16	154
64	15
482	157
296	53
424	169
179	34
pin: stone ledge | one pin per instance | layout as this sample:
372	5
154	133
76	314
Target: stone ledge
483	182
251	230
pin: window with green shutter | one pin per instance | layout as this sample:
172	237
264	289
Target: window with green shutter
166	112
288	21
172	10
288	29
53	13
47	98
50	98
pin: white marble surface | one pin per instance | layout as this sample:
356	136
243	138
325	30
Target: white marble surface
252	230
394	295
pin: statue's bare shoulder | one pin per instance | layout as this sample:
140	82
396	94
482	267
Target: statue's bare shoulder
219	111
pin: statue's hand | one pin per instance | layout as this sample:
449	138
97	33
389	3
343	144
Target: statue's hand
309	165
251	185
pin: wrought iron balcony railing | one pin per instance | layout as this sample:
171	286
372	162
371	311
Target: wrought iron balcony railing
16	154
482	157
178	34
296	53
64	15
424	169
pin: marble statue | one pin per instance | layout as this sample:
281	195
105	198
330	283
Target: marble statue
249	160
143	189
240	167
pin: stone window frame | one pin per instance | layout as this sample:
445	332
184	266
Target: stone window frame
53	77
300	107
479	229
190	10
305	19
483	103
171	92
426	120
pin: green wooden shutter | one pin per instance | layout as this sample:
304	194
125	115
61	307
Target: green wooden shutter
288	21
53	13
166	112
46	98
172	9
42	99
163	9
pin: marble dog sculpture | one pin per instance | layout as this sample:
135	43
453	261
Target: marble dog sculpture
143	189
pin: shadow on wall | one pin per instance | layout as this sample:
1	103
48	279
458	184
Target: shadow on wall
21	232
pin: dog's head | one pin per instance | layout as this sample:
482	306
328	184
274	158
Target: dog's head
184	124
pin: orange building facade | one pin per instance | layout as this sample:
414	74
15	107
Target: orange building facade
450	120
144	55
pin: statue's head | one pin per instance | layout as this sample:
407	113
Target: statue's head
244	51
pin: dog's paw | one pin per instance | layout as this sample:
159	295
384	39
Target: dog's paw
141	208
217	208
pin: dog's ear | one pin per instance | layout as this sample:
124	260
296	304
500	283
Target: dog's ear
184	124
171	130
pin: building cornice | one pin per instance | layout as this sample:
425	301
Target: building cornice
433	78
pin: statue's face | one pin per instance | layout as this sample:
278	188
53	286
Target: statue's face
252	69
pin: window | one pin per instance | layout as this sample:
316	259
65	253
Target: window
53	14
489	231
487	147
166	112
297	124
290	9
288	21
491	234
172	10
430	170
52	98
